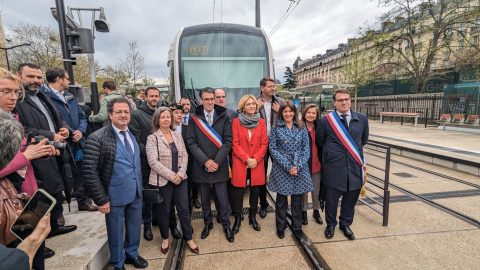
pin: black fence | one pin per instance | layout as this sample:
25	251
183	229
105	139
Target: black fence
429	106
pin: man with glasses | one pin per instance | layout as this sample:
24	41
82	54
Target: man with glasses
113	178
341	136
39	116
209	138
69	109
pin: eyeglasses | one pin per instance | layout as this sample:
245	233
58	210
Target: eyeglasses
343	100
11	92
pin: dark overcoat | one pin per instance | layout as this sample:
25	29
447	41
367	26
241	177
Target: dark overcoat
339	170
47	171
202	149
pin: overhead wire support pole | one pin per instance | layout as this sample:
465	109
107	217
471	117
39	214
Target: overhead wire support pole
62	25
257	13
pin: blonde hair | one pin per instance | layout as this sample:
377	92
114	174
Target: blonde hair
5	74
243	101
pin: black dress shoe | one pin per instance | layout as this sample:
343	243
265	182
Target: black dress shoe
206	230
137	262
147	232
262	212
281	234
236	224
48	253
87	207
305	218
348	232
62	230
176	233
317	217
196	203
229	234
329	232
119	268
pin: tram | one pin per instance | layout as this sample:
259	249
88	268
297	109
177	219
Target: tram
219	55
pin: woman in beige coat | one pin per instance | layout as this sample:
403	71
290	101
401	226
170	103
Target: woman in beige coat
168	158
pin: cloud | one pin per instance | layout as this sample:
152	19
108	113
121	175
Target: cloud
312	27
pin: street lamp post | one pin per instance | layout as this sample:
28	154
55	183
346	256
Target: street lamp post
10	48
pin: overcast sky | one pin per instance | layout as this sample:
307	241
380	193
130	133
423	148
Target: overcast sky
311	28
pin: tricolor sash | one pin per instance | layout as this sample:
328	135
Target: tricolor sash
208	131
347	141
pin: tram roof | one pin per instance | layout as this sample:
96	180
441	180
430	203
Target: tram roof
222	27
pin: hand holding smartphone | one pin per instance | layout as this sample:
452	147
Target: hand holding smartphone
37	207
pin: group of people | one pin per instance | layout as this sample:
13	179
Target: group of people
186	155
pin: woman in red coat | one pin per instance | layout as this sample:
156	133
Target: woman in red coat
249	145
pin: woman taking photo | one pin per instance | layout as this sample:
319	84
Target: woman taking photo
310	116
290	176
168	158
249	145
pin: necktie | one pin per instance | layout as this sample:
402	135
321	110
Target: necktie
185	120
209	118
344	120
127	144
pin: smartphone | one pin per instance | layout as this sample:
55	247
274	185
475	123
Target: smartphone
38	206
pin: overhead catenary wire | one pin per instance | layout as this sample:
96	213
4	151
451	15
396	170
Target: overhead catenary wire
290	9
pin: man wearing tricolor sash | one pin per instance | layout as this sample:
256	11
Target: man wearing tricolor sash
209	138
341	136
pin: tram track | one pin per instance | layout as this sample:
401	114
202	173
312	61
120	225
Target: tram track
306	247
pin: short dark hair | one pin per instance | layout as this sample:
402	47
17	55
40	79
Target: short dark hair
341	91
30	65
175	107
110	85
289	104
207	90
150	88
118	100
263	82
53	73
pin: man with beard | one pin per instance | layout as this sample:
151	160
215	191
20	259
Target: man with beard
39	117
141	126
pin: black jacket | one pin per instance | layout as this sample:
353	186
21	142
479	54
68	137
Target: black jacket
47	171
141	126
98	160
202	149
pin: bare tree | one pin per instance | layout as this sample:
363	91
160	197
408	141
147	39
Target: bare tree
134	64
417	31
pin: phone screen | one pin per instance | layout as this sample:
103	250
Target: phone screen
37	207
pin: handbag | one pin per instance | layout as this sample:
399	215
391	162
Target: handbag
152	195
9	204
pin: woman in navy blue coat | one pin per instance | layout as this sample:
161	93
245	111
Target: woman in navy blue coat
290	176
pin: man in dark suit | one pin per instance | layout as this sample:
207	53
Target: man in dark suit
113	178
269	105
342	174
209	138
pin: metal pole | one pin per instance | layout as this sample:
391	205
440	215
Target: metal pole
6	58
257	13
62	24
93	84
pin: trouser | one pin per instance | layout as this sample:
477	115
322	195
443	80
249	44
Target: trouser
281	206
347	209
237	193
57	211
128	216
149	208
193	191
315	195
262	192
79	188
222	198
175	195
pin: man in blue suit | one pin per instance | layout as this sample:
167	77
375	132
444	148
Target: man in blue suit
342	174
113	178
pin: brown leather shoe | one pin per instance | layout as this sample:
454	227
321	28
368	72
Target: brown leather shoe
87	207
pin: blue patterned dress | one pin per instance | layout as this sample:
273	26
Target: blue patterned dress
288	148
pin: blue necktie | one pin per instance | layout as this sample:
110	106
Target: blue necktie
344	121
127	144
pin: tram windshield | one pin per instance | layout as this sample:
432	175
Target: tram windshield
232	61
